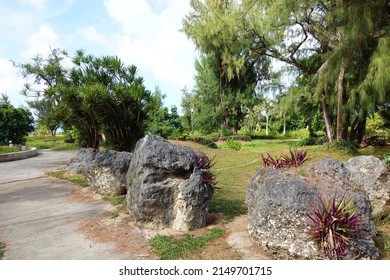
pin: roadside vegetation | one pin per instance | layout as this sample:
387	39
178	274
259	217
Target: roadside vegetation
2	250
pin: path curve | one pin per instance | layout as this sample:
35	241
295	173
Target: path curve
39	221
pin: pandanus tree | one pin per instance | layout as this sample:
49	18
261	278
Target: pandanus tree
97	96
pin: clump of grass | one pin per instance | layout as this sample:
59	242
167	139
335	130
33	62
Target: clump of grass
343	146
168	248
74	178
2	250
115	200
233	145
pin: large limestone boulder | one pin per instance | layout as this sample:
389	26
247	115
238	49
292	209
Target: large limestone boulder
165	186
107	172
279	202
368	173
80	163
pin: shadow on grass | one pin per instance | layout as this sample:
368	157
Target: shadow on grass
227	206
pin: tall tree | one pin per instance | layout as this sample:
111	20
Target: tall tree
96	96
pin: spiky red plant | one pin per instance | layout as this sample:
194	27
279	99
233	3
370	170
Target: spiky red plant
209	179
295	159
334	225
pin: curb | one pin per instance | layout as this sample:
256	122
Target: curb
18	155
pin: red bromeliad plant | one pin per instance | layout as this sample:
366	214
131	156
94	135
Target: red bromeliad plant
295	159
209	179
334	226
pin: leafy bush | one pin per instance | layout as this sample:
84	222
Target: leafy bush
311	141
343	145
334	226
376	141
386	159
205	164
233	145
295	159
203	141
298	134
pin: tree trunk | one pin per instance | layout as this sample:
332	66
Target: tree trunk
361	130
328	126
344	134
284	126
340	91
352	135
266	123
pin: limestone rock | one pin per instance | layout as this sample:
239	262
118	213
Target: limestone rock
165	186
106	174
80	163
278	204
368	173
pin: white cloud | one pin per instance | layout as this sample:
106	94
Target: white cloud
150	39
41	42
10	82
37	4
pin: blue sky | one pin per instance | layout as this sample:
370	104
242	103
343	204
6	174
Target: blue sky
141	32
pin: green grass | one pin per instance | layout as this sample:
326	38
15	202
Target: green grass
76	179
7	149
56	143
115	200
169	248
234	169
2	250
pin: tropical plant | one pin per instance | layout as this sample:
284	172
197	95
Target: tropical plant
295	159
334	225
205	164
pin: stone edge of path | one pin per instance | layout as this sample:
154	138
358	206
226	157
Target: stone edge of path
18	155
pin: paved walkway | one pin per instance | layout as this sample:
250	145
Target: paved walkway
38	222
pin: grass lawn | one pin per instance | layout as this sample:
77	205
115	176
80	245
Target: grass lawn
56	143
234	169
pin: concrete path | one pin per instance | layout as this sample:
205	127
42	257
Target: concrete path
38	222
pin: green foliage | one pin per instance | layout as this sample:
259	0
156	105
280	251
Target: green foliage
204	141
15	124
311	141
2	250
164	123
233	145
73	178
343	146
169	248
386	159
97	95
334	225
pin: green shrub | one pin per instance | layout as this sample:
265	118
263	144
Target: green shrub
298	134
344	146
311	141
376	141
233	145
204	141
386	159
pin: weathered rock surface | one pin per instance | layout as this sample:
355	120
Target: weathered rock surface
278	204
107	172
165	186
80	163
368	173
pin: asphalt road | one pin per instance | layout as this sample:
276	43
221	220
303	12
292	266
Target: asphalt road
38	222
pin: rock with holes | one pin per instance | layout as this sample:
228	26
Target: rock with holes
165	186
106	173
81	162
279	203
368	173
